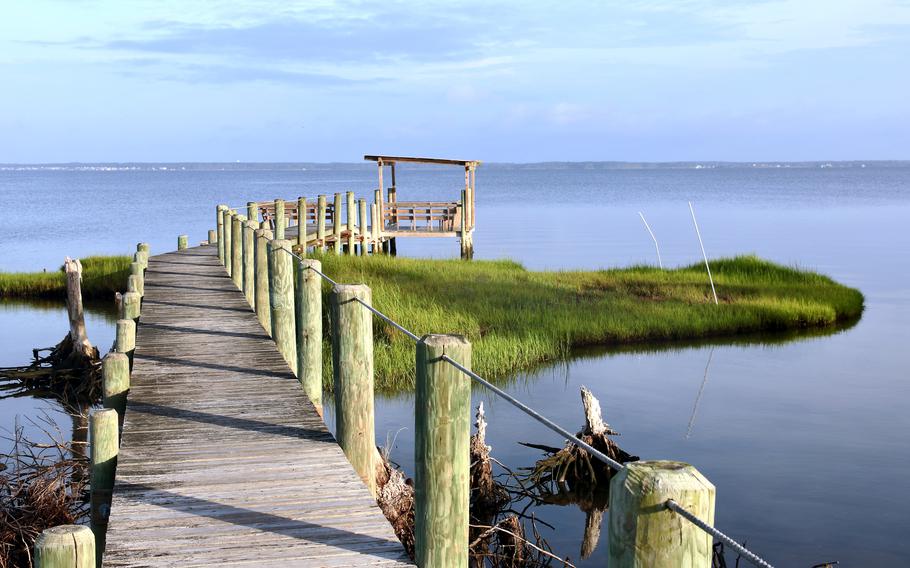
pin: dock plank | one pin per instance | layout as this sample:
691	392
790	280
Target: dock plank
224	460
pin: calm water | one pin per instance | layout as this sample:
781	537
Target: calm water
806	440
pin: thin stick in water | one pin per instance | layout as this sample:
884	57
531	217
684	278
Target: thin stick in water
705	256
656	246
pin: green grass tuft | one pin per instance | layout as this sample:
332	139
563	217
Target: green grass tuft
102	276
517	319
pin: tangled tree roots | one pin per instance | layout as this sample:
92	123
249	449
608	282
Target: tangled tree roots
64	373
574	466
41	486
396	499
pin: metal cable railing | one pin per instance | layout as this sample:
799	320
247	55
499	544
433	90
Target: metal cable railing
670	504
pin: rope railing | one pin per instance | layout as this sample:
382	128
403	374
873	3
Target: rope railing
670	504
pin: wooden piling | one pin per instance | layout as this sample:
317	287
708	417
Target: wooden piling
219	223
363	226
380	221
137	271
281	300
130	306
125	341
105	445
280	223
213	237
228	244
144	247
65	546
374	227
237	250
441	452
351	209
308	309
352	369
261	277
142	258
115	374
134	284
252	212
336	225
249	277
301	224
320	221
183	242
643	532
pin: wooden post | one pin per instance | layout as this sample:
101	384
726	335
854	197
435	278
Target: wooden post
115	373
125	341
144	247
65	546
134	284
237	250
137	271
182	242
131	306
336	225
643	532
228	244
252	214
442	419
142	258
213	236
249	278
219	223
352	369
380	221
374	227
280	224
351	207
363	226
320	221
261	293
281	300
105	444
301	223
308	303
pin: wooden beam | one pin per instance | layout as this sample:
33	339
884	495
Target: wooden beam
416	160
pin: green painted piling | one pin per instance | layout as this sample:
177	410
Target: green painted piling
352	366
228	244
336	225
363	226
301	223
261	276
308	309
65	546
125	340
320	221
252	212
281	300
351	210
280	223
441	452
219	223
115	379
130	306
144	247
105	445
237	250
249	262
643	532
183	242
142	258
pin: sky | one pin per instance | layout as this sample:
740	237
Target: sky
264	81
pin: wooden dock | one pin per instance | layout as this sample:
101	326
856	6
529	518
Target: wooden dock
224	460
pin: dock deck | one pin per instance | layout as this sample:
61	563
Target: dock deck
224	460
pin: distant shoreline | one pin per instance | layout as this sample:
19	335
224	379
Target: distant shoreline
300	166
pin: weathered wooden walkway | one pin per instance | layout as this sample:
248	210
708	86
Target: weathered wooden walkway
224	461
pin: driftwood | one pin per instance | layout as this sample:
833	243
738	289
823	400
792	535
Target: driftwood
570	475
